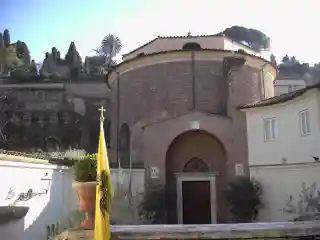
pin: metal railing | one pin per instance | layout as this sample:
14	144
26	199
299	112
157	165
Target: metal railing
71	222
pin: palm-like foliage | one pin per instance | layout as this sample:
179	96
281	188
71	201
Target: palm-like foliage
110	46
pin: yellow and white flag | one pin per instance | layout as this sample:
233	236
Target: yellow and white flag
103	189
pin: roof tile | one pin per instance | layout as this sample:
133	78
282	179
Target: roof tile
281	98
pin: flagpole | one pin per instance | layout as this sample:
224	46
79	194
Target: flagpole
103	189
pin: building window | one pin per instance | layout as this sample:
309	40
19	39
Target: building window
304	122
196	165
191	46
269	129
292	88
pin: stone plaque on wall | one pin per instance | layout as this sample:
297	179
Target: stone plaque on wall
195	125
239	169
154	172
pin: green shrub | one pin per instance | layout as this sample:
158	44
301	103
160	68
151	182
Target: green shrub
85	169
244	199
152	207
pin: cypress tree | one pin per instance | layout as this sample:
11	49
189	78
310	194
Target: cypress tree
6	37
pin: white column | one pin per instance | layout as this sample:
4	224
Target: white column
213	199
179	200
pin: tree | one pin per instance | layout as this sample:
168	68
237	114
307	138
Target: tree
285	59
110	46
291	67
73	61
33	68
23	52
293	60
152	208
273	60
243	196
54	53
11	59
69	55
2	54
6	102
6	37
254	38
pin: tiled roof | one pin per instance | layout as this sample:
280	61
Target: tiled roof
192	36
175	37
281	98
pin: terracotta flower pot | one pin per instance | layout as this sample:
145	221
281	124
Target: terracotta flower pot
87	199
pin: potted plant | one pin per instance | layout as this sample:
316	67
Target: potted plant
244	198
85	175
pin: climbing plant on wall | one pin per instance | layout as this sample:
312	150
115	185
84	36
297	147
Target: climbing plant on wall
306	206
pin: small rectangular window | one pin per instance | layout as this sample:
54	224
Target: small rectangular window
304	122
269	129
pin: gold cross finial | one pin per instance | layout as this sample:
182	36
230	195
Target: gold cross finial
102	109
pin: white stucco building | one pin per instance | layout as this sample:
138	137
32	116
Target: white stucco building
283	144
282	86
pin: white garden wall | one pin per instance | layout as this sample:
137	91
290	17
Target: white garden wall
56	204
45	208
281	181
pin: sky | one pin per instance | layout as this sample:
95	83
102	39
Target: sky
291	25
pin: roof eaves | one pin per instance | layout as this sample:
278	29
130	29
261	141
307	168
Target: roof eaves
279	99
180	50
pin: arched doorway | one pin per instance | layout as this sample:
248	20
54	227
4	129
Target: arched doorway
188	186
192	159
52	144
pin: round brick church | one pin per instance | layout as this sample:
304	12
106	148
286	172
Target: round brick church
176	100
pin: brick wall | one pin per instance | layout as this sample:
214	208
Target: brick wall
162	91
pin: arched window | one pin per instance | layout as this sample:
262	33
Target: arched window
256	87
195	165
52	143
268	85
124	145
191	46
94	131
241	51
